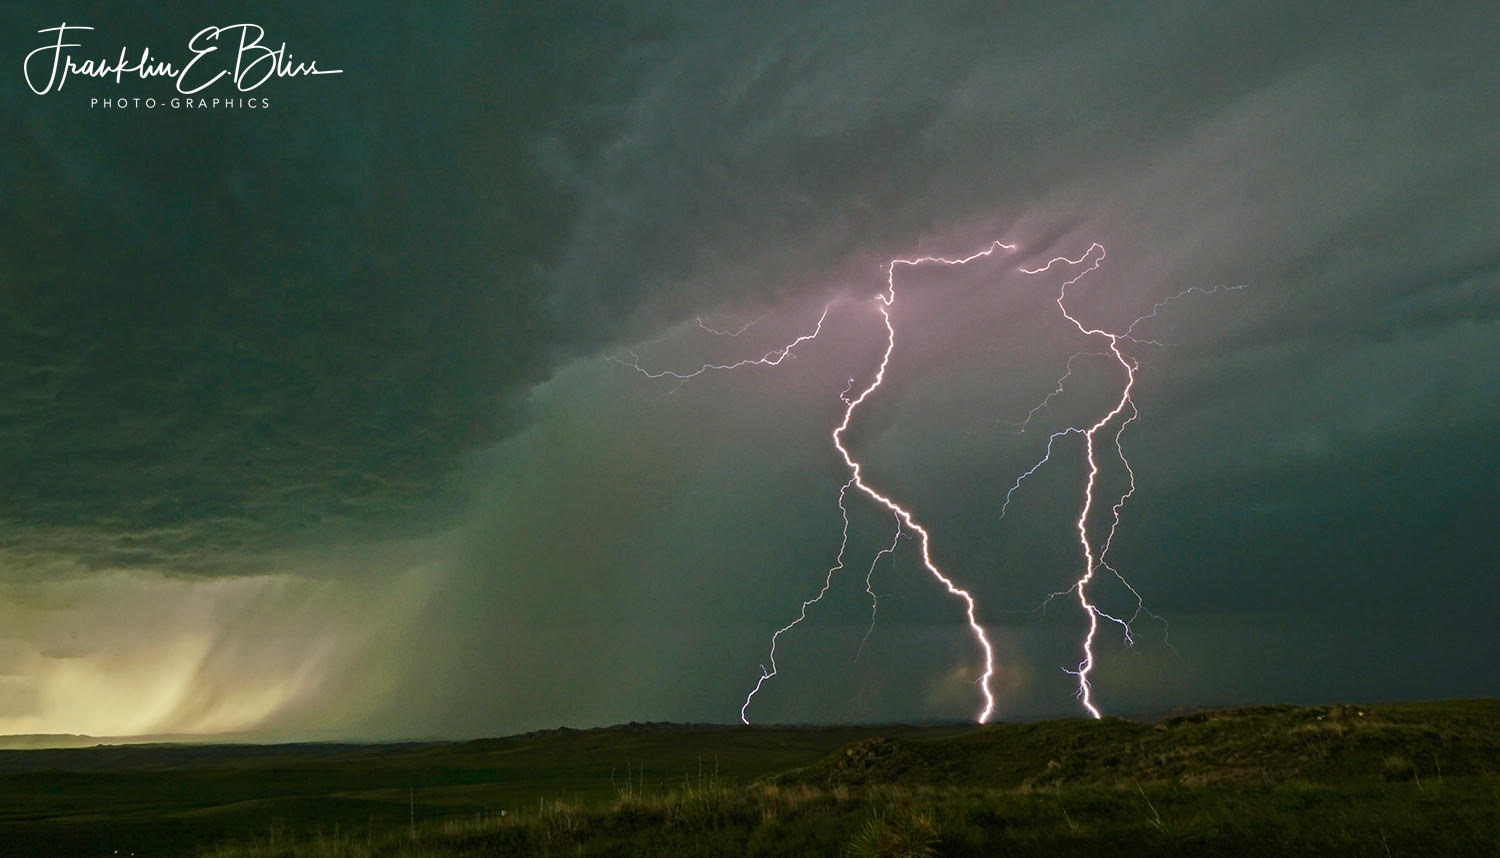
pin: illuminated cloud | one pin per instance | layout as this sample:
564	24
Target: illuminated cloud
131	652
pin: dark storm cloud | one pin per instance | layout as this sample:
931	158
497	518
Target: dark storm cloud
296	321
228	332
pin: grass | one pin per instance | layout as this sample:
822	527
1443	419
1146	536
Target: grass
170	800
891	821
1416	779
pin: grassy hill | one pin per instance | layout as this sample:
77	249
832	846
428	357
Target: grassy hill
1249	746
170	799
1410	779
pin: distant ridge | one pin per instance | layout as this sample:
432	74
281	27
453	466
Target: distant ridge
27	741
43	741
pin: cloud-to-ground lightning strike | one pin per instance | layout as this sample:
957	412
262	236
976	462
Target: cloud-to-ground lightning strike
1125	405
1121	413
924	540
1090	563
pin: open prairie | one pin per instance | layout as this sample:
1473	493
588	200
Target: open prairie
1403	779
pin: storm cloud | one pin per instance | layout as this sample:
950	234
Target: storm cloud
320	392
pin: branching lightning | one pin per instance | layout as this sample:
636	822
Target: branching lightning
1125	412
904	516
838	564
1022	424
727	333
870	587
774	357
1120	415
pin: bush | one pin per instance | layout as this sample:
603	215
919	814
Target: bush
901	834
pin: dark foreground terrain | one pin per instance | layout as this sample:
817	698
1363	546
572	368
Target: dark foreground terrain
1409	779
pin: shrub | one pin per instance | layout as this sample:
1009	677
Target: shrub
902	834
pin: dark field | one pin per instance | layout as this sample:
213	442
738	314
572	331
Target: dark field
1409	779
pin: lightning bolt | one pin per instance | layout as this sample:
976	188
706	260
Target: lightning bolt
1162	304
838	564
774	357
1122	413
1021	425
870	588
1124	405
725	333
904	516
